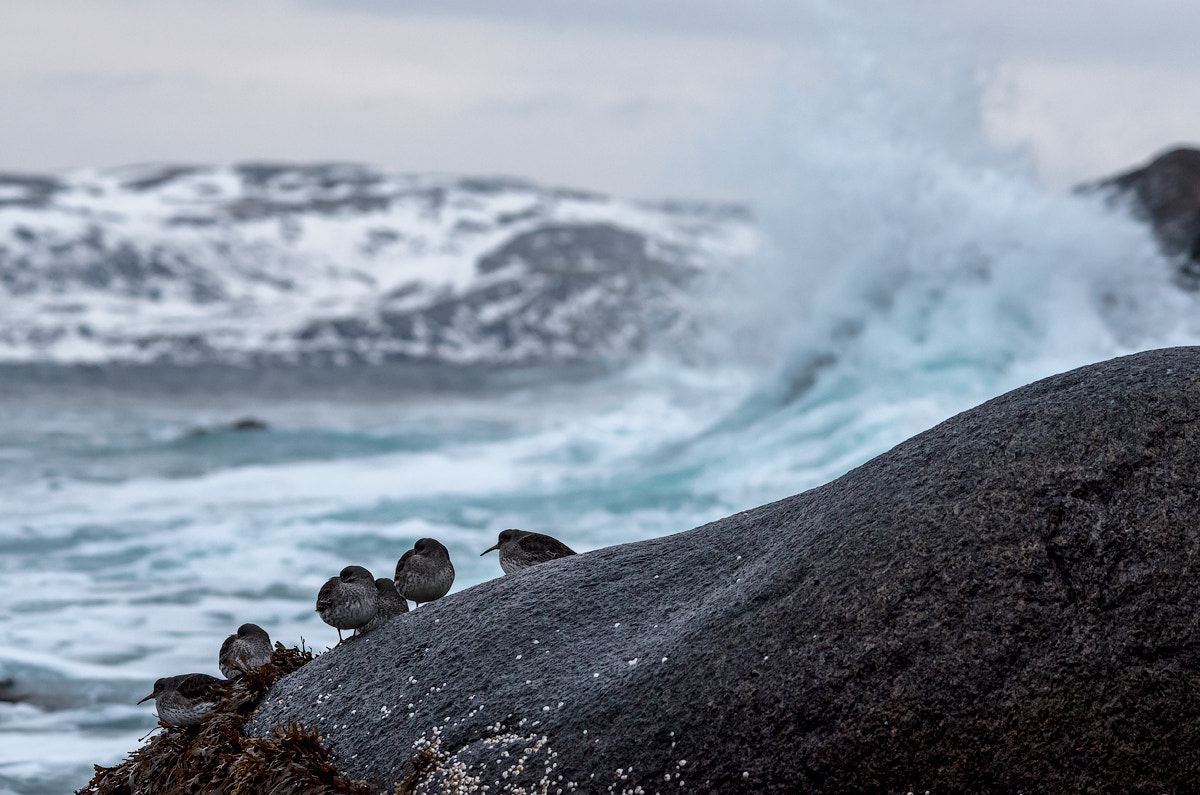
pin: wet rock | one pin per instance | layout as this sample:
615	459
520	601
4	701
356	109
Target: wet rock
1166	194
1007	602
9	693
248	424
244	425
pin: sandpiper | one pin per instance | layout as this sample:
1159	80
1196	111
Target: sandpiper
425	572
184	700
520	549
249	648
348	600
388	604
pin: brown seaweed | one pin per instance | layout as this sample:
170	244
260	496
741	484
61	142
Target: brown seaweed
218	757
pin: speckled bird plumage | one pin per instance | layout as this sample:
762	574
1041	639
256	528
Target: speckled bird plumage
249	648
388	604
348	601
520	549
425	572
185	699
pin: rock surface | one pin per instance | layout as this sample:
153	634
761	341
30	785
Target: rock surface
1007	602
1166	193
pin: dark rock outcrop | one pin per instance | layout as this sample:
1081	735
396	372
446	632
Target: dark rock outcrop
1166	194
1007	602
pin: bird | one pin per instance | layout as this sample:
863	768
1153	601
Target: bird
184	700
520	549
389	604
348	600
249	648
424	573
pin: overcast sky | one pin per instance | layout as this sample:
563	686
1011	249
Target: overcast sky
636	97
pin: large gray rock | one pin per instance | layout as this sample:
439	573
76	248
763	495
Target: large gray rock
1007	602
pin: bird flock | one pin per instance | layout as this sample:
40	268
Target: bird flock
354	600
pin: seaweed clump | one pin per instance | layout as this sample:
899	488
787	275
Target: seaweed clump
218	757
423	763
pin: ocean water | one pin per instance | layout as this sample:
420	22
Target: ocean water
138	529
914	270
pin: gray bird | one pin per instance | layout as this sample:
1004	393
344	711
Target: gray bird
425	572
520	549
388	604
249	648
348	600
184	700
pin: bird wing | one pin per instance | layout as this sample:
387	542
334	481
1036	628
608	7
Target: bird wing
389	593
402	571
543	547
226	646
325	595
198	686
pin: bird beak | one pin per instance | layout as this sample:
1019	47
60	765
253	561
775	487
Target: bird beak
489	549
147	698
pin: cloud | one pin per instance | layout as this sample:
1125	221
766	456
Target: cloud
775	19
638	97
599	107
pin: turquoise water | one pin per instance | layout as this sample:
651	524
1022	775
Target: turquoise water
138	528
908	276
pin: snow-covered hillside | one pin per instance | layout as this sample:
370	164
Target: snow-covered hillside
342	262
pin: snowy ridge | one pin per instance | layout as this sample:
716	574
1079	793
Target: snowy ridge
342	262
